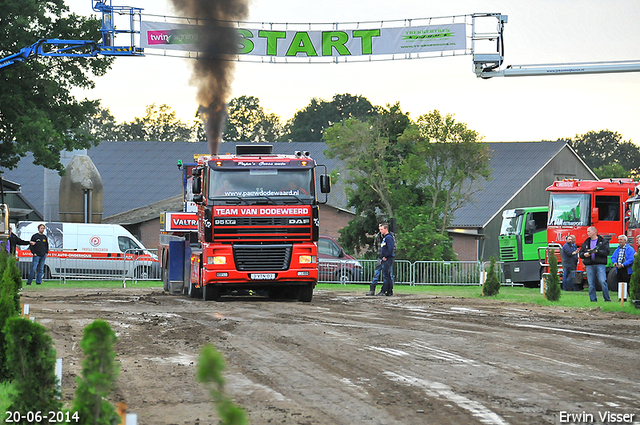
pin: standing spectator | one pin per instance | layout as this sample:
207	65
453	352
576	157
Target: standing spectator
15	240
377	241
387	257
594	253
622	260
569	263
39	248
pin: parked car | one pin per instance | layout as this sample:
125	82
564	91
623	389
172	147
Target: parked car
334	264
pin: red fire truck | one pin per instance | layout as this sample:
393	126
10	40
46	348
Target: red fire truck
257	217
574	205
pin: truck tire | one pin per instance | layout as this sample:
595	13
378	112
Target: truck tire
165	275
305	293
210	293
612	279
194	292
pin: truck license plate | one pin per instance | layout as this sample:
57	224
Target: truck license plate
263	276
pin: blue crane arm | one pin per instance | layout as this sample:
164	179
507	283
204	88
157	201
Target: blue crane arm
86	48
53	48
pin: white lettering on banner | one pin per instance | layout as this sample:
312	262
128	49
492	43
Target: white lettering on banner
262	211
316	44
183	222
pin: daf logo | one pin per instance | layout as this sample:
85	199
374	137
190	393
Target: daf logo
298	221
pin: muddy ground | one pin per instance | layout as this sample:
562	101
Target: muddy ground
349	359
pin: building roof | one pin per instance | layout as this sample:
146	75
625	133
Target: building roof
138	174
513	164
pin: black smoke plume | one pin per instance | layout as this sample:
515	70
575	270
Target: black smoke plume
213	70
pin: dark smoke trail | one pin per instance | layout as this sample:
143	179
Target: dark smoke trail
212	73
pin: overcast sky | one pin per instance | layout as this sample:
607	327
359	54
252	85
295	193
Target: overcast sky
501	109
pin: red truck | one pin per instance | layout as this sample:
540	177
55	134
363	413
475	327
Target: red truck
257	221
574	205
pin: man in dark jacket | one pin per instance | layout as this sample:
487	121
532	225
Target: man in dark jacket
387	257
594	253
14	240
569	263
39	248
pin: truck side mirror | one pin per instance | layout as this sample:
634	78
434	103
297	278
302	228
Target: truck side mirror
196	186
325	183
595	214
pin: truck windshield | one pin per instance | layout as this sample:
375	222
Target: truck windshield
262	182
569	209
510	223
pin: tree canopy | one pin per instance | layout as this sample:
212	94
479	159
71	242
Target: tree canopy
606	153
248	122
38	114
419	172
310	123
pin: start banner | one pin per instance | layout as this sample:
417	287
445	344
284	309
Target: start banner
315	44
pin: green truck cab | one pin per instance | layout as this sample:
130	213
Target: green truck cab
523	231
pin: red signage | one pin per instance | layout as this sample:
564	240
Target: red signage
262	211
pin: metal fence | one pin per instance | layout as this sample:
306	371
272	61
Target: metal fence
133	264
416	273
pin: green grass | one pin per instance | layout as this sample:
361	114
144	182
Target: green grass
517	295
508	294
90	284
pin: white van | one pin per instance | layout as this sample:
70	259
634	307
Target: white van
79	250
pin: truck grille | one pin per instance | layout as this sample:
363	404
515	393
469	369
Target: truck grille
508	254
262	257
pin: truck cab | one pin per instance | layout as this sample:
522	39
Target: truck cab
523	231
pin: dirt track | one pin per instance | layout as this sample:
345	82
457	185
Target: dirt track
349	359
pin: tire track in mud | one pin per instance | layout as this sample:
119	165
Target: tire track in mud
345	358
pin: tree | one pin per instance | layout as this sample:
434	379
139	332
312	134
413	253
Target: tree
447	161
99	373
38	114
552	291
606	148
248	122
31	362
491	284
309	124
418	172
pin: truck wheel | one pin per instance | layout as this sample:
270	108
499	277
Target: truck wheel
612	280
193	291
47	273
305	293
210	293
165	276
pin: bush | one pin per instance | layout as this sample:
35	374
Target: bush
8	309
634	284
210	368
31	362
552	291
99	373
491	285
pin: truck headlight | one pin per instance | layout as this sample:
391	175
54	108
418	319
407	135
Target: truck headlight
217	260
307	259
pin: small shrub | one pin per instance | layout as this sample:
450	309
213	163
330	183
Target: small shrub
491	285
31	362
209	372
552	291
99	373
7	310
634	284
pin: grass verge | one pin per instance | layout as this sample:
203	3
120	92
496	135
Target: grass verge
518	295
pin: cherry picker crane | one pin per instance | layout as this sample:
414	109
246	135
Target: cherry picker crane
488	65
127	16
